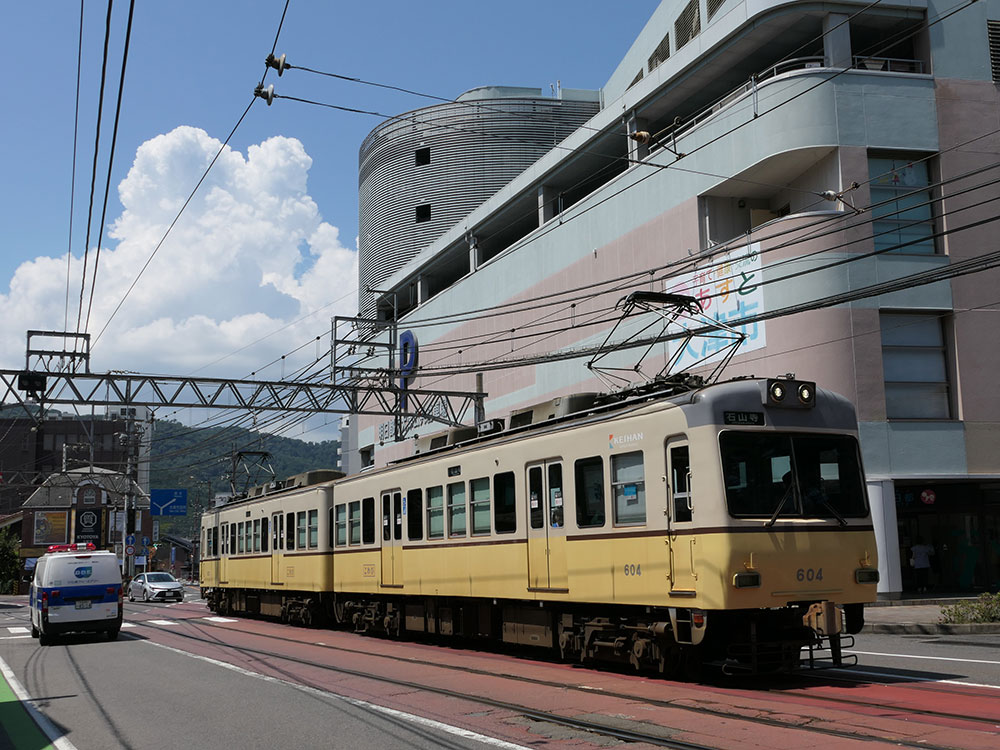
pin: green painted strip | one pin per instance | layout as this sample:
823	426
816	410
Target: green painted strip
17	724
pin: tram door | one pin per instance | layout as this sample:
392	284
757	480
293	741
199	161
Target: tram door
392	538
681	540
546	527
277	545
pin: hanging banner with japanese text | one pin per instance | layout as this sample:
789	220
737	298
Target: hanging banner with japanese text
729	289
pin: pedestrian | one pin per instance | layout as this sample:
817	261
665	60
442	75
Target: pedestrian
920	561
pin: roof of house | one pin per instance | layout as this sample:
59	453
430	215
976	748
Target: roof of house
58	489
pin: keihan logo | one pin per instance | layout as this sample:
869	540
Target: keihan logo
84	572
620	440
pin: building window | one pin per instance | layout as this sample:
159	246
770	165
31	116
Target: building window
423	213
422	156
915	367
713	7
660	54
993	33
901	205
688	24
638	77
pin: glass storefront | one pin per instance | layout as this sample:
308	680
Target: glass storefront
960	521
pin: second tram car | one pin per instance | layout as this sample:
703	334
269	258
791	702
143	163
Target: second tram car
725	523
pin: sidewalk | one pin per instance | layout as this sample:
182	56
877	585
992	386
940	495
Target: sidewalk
918	615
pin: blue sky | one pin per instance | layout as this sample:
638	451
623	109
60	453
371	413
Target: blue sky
238	267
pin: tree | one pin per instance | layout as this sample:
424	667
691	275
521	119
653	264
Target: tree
10	562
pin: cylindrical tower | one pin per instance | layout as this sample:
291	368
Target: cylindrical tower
422	172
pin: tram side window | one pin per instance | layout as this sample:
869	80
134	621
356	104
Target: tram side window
289	531
340	524
505	507
256	535
215	542
248	533
263	534
368	520
300	530
239	538
680	482
232	539
397	516
590	510
628	482
313	529
354	522
479	489
456	509
536	511
275	533
414	515
435	512
386	517
279	530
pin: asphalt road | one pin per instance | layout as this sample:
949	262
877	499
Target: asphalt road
154	689
967	658
134	693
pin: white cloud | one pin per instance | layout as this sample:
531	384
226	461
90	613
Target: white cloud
251	254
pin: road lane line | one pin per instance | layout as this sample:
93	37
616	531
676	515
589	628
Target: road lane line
912	678
422	721
54	736
18	630
914	656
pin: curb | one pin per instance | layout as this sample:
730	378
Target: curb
930	628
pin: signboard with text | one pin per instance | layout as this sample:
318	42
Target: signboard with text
729	289
168	502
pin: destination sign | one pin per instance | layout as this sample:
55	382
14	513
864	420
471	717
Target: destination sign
744	418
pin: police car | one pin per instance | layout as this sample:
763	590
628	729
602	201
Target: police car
76	588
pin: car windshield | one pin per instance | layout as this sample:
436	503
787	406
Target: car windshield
775	475
160	578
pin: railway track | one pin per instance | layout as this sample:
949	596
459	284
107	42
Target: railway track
649	733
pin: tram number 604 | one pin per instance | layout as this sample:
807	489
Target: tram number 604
633	570
809	574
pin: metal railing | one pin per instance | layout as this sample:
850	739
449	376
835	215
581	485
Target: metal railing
888	64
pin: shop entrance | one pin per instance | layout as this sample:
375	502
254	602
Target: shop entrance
960	521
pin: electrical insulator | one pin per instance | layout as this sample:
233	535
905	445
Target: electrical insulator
278	63
265	92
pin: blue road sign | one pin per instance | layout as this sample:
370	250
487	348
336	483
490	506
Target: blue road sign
168	502
130	539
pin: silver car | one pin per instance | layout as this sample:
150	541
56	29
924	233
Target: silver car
155	587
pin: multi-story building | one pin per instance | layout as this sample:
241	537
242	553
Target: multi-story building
822	177
32	449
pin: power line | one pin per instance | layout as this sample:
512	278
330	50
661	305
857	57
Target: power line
72	182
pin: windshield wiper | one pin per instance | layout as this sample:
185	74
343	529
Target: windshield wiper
781	504
829	506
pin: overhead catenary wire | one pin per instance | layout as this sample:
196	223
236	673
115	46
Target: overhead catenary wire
111	164
72	181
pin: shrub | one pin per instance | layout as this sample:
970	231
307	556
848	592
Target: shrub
984	609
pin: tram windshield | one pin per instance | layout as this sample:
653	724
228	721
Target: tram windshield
775	475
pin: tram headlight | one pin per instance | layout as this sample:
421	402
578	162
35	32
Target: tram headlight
776	391
807	395
748	580
866	575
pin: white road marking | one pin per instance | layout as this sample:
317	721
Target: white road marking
13	637
930	658
161	622
18	630
219	619
913	678
128	624
55	736
448	728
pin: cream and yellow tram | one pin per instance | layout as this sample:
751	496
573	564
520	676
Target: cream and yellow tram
724	523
